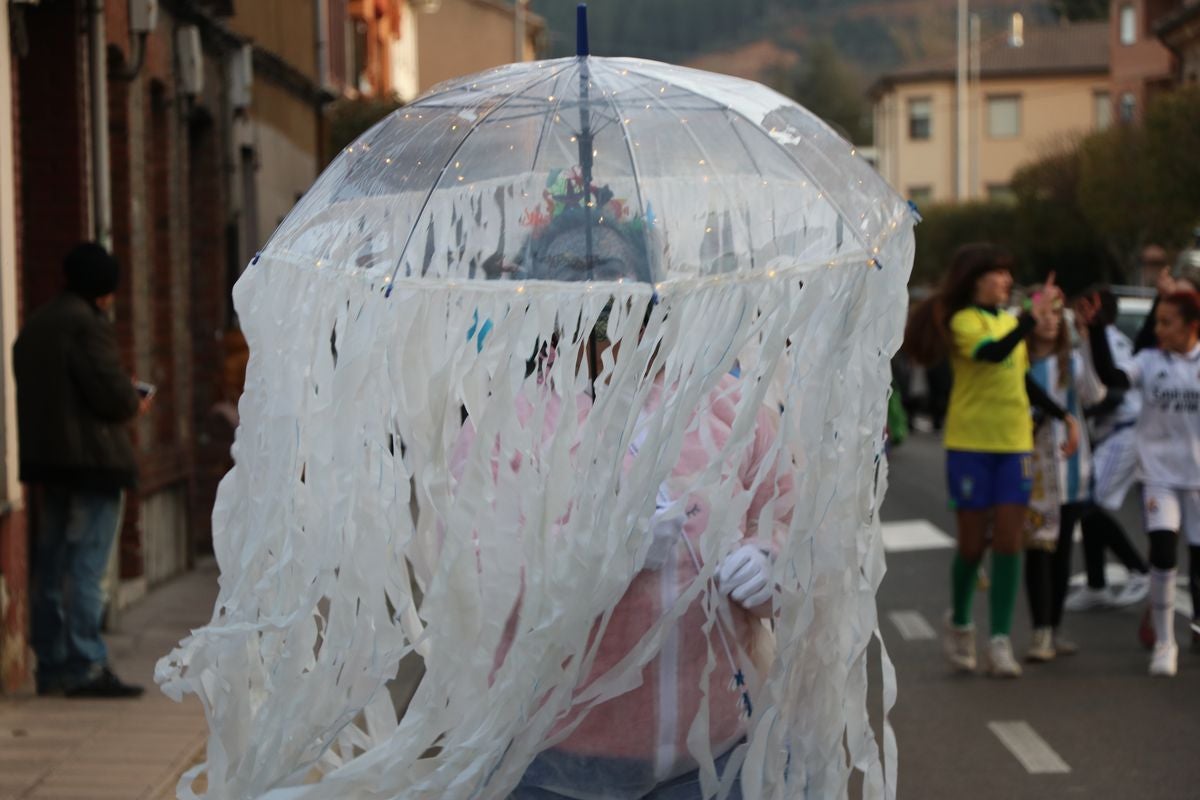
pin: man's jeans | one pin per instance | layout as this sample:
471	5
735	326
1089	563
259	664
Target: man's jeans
76	529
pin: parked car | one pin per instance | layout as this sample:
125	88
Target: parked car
1133	306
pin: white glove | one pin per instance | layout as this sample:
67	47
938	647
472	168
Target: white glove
745	575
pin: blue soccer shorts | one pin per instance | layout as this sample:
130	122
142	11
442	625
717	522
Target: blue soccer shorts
982	480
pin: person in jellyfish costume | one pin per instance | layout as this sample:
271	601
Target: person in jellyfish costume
407	485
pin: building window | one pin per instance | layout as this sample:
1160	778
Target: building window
1128	24
920	195
1001	193
920	118
1004	116
1102	110
1128	107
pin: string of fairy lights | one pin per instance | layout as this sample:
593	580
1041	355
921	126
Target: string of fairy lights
451	117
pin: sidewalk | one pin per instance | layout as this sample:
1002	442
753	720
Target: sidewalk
60	749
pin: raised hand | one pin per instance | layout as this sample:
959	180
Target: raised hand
1165	283
1048	301
1087	310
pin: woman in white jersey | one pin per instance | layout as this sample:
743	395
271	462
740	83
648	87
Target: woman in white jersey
1168	449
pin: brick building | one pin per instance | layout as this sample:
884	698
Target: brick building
1179	30
13	543
1141	65
203	121
180	133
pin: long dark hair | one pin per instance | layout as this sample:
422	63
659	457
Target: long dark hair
927	335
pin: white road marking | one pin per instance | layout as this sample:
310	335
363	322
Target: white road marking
917	534
912	626
1031	750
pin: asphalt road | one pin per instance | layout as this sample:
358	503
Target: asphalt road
1092	725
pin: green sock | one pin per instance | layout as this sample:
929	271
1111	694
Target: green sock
963	575
1006	583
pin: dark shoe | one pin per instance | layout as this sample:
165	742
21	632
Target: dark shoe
49	686
106	684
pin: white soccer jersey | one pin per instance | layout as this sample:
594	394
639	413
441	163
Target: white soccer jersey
1168	430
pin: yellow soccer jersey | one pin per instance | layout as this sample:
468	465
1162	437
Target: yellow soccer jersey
989	409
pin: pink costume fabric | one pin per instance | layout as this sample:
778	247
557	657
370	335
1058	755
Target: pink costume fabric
651	722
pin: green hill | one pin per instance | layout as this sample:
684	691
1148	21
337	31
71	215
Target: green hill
822	53
872	35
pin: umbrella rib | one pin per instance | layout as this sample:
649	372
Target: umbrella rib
467	135
792	156
750	155
637	183
537	148
708	160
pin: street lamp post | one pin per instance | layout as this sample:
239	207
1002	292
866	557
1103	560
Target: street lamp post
962	161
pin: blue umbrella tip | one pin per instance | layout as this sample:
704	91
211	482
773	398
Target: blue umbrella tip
581	31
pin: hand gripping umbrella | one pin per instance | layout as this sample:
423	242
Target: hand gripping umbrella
559	457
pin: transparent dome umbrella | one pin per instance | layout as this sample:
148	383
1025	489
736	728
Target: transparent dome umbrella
532	363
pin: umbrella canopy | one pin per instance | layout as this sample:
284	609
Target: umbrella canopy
513	334
706	174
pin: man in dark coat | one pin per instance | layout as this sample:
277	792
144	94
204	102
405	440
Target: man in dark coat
74	403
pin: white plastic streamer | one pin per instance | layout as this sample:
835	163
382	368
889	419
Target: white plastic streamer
427	464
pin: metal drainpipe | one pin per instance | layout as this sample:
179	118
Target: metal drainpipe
101	174
322	13
520	9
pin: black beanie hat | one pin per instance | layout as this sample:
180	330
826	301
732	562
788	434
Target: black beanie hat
91	271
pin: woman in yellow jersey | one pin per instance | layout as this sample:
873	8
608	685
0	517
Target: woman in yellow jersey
988	435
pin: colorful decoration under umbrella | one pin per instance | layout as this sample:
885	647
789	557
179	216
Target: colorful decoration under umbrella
559	460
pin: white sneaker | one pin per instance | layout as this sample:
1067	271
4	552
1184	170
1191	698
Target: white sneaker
1041	647
959	645
1164	660
1001	663
1134	591
1087	599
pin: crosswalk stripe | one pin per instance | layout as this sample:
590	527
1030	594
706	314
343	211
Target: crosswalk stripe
911	625
917	534
1031	750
